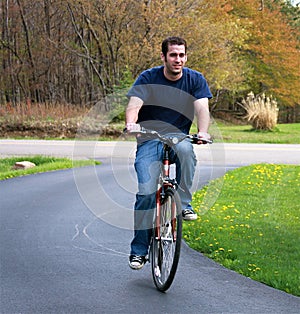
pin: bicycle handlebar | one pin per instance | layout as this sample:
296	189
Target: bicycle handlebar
170	138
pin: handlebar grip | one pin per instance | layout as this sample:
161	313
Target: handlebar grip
141	130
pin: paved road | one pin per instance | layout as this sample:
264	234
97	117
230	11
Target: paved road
218	154
58	257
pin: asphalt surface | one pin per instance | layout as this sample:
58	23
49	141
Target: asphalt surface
63	251
217	154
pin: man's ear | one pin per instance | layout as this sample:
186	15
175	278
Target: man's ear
162	56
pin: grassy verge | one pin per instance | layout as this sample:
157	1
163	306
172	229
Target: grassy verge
282	134
253	227
42	164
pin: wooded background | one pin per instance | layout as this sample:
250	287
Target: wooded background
77	52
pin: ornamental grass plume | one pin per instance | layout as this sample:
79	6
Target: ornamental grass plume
262	111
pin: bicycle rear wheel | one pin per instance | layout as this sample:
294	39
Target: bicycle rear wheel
166	242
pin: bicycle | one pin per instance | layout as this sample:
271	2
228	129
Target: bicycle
165	244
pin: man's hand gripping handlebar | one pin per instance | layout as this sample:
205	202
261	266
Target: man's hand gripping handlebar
136	129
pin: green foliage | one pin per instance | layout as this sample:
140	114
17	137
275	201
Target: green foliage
118	99
253	227
291	12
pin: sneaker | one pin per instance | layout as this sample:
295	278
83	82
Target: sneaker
189	214
136	262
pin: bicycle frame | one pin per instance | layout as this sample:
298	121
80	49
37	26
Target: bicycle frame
164	182
165	245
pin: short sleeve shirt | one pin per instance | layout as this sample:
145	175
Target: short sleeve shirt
168	106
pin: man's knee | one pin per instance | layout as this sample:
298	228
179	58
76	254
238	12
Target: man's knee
147	177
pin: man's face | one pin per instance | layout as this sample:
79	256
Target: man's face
175	59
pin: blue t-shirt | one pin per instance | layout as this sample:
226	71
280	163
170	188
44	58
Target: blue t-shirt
168	105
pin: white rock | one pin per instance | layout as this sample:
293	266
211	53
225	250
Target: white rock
23	165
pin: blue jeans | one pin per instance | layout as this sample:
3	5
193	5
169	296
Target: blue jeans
149	155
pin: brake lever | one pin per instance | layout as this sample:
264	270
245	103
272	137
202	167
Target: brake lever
196	139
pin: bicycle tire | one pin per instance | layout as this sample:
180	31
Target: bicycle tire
166	243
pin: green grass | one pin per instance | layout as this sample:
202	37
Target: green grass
42	164
253	226
282	134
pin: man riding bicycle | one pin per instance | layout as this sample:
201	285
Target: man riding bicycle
165	99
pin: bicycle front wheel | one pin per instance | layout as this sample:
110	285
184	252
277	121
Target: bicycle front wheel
166	242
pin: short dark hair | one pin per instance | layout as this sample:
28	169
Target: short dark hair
169	41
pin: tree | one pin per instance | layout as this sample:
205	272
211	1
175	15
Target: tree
79	51
271	50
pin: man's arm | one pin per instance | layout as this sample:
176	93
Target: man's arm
132	112
203	117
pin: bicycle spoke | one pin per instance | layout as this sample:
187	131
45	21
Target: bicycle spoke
166	247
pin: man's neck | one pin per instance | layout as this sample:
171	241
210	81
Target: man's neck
172	76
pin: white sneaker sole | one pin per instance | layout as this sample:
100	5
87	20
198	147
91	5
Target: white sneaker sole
136	267
190	217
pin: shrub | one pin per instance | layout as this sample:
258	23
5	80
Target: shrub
262	111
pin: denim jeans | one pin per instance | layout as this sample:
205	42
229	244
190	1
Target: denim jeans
147	165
